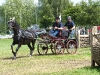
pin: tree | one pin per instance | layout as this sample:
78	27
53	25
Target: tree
22	10
46	14
51	9
91	12
84	13
2	18
25	12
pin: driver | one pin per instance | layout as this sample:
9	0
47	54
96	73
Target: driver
56	27
71	26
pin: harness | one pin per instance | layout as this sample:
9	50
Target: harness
26	34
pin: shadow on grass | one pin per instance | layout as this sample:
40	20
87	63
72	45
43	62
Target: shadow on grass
18	57
50	54
97	68
8	58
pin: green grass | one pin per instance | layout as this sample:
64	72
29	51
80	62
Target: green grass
66	64
79	71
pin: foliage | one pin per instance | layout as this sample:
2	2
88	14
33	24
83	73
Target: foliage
46	21
44	13
2	20
52	9
22	10
91	11
85	13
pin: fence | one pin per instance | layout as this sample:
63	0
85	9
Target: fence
95	47
83	40
91	39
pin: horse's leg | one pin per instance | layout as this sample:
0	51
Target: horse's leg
19	45
12	48
31	49
33	45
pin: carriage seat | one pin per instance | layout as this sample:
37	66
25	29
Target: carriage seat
64	33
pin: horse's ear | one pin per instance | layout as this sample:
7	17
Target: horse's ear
13	18
10	18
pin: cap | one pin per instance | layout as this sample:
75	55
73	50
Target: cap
69	17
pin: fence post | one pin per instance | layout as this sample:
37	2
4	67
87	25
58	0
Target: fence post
78	36
88	32
93	42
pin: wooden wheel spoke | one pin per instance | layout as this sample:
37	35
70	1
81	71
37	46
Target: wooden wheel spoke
59	47
42	48
71	47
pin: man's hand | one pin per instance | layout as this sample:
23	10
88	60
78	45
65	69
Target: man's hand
50	27
65	28
56	28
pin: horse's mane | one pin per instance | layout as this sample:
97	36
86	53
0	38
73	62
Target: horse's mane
17	25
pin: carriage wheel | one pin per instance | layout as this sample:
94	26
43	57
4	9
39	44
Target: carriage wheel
59	47
42	48
52	48
71	47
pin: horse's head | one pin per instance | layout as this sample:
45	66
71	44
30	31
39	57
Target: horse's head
11	23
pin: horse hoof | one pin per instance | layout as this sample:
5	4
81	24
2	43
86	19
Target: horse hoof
14	58
30	55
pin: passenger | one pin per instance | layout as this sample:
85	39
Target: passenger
71	26
55	29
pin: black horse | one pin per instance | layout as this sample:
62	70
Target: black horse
21	37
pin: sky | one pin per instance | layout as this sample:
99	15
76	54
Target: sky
75	1
2	1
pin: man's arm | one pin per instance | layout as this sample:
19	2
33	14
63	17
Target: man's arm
61	27
73	26
52	26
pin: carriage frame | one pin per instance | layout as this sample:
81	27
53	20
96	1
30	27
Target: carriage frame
57	45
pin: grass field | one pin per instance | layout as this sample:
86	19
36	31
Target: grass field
66	64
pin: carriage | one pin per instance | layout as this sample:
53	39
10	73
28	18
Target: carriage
57	45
